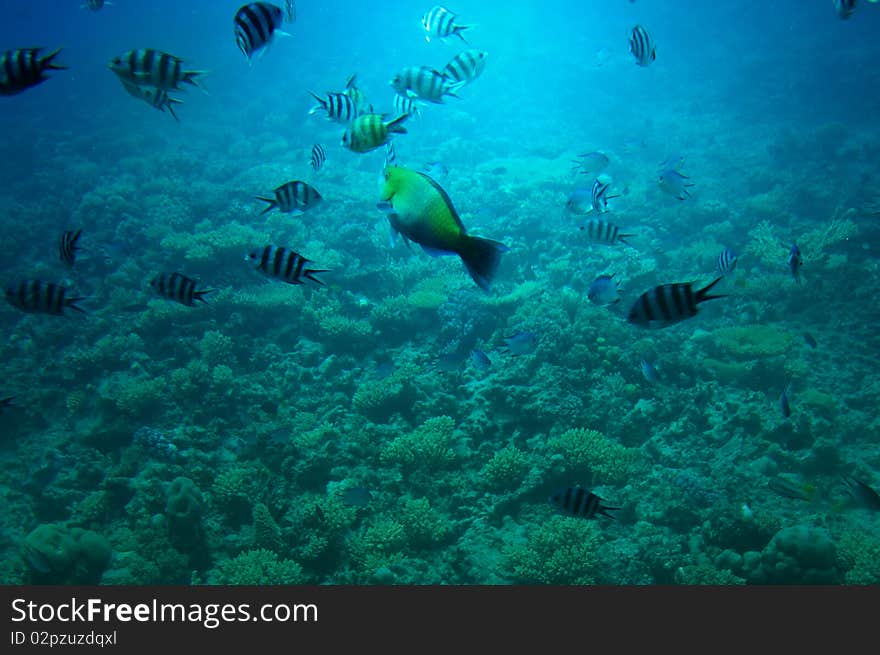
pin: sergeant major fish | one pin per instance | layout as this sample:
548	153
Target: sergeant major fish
256	23
641	45
405	105
440	22
25	68
420	210
295	196
179	288
599	196
669	303
284	264
726	261
425	83
580	502
466	66
153	68
39	297
156	98
339	107
318	157
67	246
601	231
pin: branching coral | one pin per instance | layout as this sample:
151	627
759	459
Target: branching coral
257	567
427	448
582	448
561	551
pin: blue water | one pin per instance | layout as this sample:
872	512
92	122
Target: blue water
273	400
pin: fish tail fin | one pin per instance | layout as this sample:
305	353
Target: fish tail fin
351	83
171	102
703	294
623	239
461	28
192	77
199	295
48	63
396	126
322	104
273	203
481	258
604	511
71	303
309	274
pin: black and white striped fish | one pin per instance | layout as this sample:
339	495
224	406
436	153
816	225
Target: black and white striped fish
318	157
155	68
599	197
156	98
669	303
67	246
179	287
290	11
844	8
39	297
21	69
604	232
424	83
440	23
255	25
580	502
642	46
466	66
284	264
295	196
404	105
340	107
390	154
726	261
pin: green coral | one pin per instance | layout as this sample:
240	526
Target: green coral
267	534
427	448
377	400
561	551
423	525
583	448
506	470
216	348
706	574
257	567
858	555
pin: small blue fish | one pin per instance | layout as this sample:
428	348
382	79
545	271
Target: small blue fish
674	183
480	360
521	343
604	290
449	362
795	261
591	162
726	261
580	201
649	372
784	404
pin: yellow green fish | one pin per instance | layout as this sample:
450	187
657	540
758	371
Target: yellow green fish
370	131
420	210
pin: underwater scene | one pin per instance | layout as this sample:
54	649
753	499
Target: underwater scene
372	293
